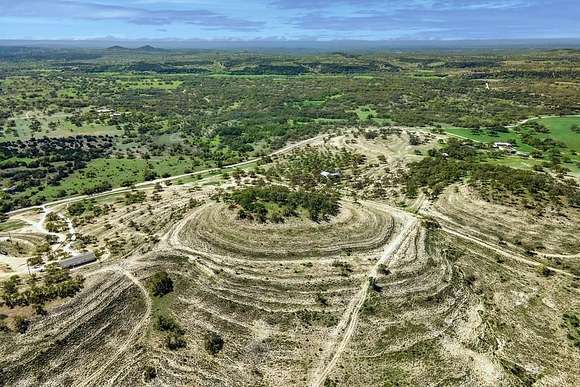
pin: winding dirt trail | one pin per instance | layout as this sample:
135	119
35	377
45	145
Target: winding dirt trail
453	228
348	322
133	335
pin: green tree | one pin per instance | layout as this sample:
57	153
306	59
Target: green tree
21	324
161	284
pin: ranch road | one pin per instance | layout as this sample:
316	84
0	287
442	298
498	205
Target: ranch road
147	184
349	320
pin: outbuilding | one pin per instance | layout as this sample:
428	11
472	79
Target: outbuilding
330	174
78	260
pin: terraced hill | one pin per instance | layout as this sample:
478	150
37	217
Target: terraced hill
445	291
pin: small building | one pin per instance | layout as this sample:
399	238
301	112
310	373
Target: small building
502	145
104	110
330	174
78	260
9	189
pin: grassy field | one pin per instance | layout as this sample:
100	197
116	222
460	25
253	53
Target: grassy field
560	129
119	173
364	113
64	128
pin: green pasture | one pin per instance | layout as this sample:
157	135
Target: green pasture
561	130
63	128
119	173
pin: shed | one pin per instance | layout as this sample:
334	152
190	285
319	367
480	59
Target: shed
330	174
78	260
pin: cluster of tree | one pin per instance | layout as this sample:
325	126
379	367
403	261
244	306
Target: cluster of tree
304	168
275	203
174	338
54	149
55	223
29	165
55	283
460	161
89	207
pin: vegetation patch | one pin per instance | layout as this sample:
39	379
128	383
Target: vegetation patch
572	324
311	169
161	284
276	203
214	343
461	161
55	282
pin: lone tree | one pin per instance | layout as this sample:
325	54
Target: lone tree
161	284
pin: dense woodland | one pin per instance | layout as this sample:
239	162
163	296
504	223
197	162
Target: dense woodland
158	112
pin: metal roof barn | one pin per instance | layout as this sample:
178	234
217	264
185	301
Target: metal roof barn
78	260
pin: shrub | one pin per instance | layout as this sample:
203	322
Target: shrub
168	324
149	373
175	341
545	271
214	343
21	325
161	284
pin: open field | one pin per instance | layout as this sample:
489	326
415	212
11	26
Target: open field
63	128
561	130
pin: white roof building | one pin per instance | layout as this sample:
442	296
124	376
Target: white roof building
330	174
502	145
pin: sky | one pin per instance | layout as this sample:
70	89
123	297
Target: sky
273	20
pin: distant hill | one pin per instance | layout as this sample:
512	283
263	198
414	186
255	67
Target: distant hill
149	48
117	48
146	48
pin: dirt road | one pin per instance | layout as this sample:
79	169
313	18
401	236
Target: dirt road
348	322
146	184
133	336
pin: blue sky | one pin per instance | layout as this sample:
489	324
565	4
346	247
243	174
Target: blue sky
289	19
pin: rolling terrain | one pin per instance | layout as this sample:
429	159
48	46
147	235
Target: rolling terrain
444	292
